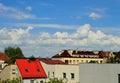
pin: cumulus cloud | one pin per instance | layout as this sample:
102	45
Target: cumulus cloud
12	12
45	42
95	16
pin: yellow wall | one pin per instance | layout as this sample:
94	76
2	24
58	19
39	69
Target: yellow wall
79	60
9	72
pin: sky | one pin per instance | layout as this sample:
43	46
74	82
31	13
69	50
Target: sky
44	27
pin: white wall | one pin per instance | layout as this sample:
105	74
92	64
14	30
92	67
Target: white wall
59	69
35	80
99	73
68	69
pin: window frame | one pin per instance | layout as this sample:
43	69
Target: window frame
64	75
31	81
72	75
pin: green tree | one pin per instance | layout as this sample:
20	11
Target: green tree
111	60
93	61
55	80
13	53
10	51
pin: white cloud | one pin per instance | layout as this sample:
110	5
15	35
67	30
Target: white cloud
29	8
11	12
45	42
95	16
54	26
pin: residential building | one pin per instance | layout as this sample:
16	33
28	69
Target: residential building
3	58
61	70
9	72
28	70
77	56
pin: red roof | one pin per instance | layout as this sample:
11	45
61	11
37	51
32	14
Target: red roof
47	61
3	56
30	68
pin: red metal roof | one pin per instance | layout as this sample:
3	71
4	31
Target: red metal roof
30	68
47	61
3	56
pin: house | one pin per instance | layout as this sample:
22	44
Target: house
9	72
31	70
3	58
61	70
99	73
28	70
78	56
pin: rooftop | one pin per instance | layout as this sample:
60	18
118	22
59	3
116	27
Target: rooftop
3	56
81	54
48	61
30	68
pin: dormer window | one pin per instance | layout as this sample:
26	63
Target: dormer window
26	70
38	70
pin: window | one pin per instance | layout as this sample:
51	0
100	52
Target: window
26	70
41	81
31	81
53	74
13	71
66	61
72	76
118	78
64	75
38	70
0	66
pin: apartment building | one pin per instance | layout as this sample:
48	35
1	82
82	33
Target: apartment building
61	70
77	56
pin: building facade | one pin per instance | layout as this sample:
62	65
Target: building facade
99	73
9	72
27	70
77	56
68	73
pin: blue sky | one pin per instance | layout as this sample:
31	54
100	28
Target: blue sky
45	27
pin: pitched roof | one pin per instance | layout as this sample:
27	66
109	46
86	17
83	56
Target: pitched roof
63	54
84	53
48	61
104	54
3	56
30	68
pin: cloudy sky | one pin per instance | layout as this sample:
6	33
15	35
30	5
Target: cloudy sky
45	27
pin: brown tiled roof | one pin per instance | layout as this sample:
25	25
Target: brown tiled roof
79	53
84	53
63	54
104	54
48	61
3	56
